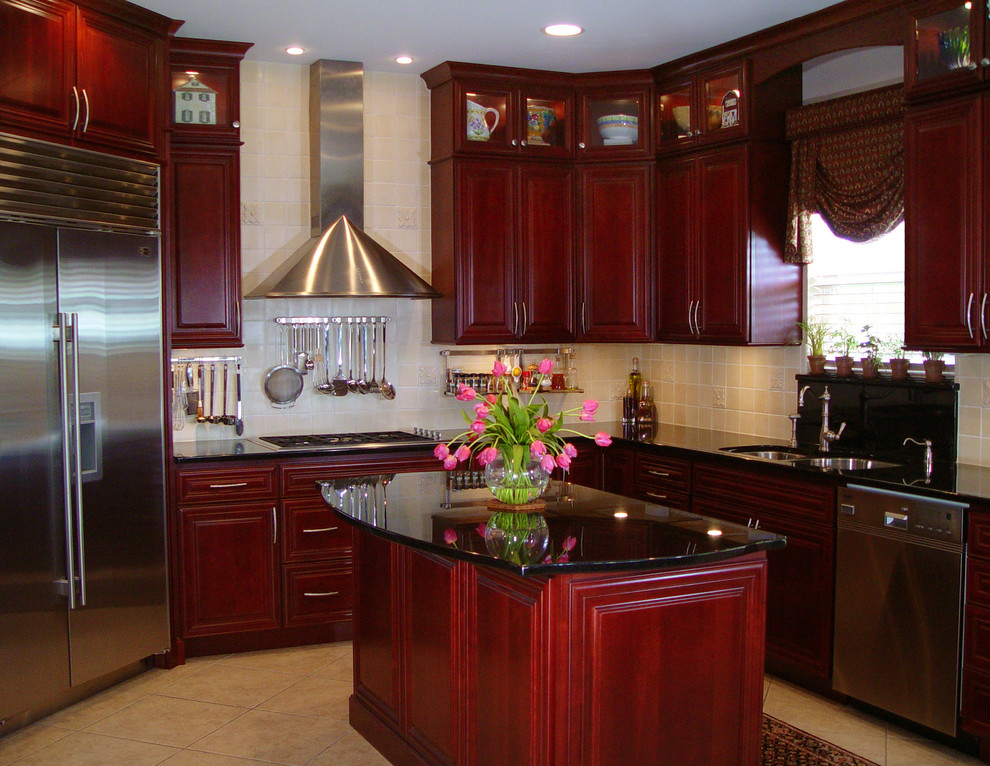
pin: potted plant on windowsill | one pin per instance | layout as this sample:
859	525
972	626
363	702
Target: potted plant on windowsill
871	362
845	342
816	333
898	362
934	366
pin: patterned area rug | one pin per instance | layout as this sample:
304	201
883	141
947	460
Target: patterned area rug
783	745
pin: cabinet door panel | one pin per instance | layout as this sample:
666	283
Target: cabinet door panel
229	569
675	235
546	253
617	295
37	42
943	201
618	470
485	232
722	252
205	247
120	70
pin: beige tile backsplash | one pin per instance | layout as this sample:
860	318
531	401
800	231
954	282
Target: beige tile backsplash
747	390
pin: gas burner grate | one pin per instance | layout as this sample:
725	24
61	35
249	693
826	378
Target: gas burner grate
342	441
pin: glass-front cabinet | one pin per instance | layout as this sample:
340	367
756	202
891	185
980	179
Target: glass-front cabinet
946	46
707	107
614	123
537	121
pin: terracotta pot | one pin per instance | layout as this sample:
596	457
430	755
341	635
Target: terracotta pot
816	364
844	366
899	369
933	370
870	370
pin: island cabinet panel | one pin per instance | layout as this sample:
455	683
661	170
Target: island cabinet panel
947	163
663	479
708	621
229	569
801	577
976	625
83	76
616	252
619	469
456	663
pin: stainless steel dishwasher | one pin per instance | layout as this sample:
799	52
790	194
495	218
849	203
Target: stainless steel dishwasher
898	603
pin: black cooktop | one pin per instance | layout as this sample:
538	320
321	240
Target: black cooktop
346	441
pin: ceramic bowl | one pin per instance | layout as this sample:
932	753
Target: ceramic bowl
619	126
682	116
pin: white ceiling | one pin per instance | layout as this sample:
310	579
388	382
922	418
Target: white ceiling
628	34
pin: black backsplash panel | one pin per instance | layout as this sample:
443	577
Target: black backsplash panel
880	414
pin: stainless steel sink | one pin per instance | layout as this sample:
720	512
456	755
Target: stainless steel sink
845	463
767	452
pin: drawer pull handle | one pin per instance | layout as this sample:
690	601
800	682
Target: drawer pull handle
657	495
657	473
323	529
229	486
317	595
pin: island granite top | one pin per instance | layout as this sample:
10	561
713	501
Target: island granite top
610	532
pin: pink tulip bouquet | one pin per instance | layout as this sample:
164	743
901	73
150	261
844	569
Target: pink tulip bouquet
518	431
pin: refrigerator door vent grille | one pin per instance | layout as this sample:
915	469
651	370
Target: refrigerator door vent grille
52	183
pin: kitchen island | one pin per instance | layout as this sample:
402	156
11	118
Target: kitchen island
641	644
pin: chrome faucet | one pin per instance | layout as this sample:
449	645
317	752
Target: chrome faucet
797	416
929	455
827	436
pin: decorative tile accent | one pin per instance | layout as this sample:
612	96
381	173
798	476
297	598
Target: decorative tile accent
251	214
777	379
406	217
718	397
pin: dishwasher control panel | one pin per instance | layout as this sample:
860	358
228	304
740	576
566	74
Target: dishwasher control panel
897	512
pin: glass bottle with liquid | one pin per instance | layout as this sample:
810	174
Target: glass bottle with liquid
635	379
646	409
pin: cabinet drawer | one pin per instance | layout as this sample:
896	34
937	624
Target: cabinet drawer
299	479
678	500
975	702
315	593
663	474
222	485
976	642
312	531
979	532
978	582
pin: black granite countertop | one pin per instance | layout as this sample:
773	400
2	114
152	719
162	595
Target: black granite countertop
610	532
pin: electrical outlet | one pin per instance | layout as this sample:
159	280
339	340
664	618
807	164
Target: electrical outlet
777	379
406	217
251	213
718	397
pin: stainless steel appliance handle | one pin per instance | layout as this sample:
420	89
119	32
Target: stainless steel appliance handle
86	102
969	315
322	529
75	98
63	387
77	458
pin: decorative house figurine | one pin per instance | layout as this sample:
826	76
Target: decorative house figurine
195	103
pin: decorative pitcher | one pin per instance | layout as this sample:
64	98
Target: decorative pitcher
477	124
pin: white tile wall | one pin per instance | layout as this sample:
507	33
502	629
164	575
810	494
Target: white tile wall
749	390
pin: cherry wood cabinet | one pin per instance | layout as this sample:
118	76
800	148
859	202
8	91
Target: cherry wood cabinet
586	468
976	626
946	225
89	75
203	203
615	255
663	479
720	276
801	577
618	469
498	661
946	47
703	108
627	94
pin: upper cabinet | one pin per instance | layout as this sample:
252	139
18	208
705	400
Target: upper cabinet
481	110
89	76
947	47
615	112
703	108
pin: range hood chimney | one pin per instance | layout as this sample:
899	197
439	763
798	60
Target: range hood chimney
340	260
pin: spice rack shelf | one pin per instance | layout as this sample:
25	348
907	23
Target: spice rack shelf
476	369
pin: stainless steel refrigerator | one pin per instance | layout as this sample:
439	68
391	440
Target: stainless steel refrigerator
82	519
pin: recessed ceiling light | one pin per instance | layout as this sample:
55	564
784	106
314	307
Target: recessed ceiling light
295	50
563	30
403	59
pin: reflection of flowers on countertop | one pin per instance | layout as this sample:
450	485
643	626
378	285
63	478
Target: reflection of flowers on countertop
504	422
450	538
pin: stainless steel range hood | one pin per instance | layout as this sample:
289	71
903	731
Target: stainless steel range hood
340	261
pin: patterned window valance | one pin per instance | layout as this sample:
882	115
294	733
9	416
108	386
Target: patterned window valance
847	164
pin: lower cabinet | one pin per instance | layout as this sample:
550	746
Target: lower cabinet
976	626
801	577
618	469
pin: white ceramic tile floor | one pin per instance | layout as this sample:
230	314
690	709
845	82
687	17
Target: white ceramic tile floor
289	706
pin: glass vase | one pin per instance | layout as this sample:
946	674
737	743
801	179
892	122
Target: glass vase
520	538
515	477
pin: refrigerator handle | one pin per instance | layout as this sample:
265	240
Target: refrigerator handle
77	458
63	387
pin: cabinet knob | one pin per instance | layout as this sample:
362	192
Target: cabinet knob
984	62
522	143
971	65
697	131
514	142
236	124
581	145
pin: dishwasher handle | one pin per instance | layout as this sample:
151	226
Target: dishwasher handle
893	520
